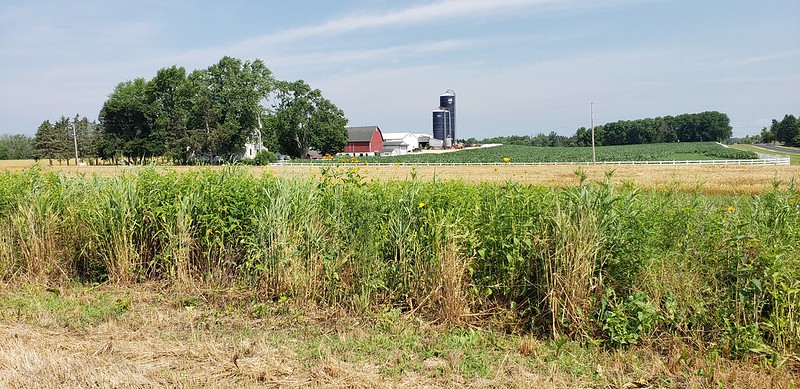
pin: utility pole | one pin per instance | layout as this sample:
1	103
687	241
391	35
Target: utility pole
75	141
591	114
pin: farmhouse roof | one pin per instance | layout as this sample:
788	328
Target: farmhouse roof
396	135
361	133
394	142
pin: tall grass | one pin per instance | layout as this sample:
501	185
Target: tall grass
599	262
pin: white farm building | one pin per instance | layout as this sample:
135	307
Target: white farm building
396	143
406	141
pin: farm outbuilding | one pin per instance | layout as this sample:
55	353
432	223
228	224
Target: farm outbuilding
409	140
394	147
363	141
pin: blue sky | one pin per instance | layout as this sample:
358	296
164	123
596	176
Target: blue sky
517	66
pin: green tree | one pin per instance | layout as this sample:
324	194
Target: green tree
52	141
168	97
303	119
127	120
787	130
225	106
87	133
16	147
767	136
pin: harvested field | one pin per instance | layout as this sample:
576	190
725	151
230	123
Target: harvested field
174	338
709	179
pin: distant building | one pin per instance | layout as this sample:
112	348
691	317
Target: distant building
394	147
444	119
427	141
409	140
363	141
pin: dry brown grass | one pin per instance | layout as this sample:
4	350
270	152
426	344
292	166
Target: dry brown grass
709	179
164	342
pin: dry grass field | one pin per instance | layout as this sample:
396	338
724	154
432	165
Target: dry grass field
709	179
151	336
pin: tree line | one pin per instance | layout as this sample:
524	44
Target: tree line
697	127
206	116
785	131
209	115
16	146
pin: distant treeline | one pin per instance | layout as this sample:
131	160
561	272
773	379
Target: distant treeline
16	147
786	131
695	127
204	116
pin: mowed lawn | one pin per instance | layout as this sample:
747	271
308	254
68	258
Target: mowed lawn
794	158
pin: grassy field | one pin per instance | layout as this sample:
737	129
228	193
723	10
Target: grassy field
340	276
152	335
794	158
648	152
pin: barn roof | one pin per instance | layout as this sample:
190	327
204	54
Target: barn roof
361	134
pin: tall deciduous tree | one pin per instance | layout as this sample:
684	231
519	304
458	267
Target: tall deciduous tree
16	147
127	119
168	99
224	107
304	119
787	130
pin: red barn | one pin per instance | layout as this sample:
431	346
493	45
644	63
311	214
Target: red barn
364	140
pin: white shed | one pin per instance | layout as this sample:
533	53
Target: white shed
410	140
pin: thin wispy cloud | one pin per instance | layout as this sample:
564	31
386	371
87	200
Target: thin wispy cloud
392	53
385	62
770	57
438	12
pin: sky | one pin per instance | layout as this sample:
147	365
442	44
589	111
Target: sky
518	67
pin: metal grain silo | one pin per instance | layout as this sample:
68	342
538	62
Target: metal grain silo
440	123
448	101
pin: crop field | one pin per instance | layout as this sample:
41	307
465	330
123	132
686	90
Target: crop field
646	152
331	276
729	179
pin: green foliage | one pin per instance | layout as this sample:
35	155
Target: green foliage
209	115
627	321
16	147
598	261
75	308
57	141
51	141
304	119
696	127
654	152
263	158
786	131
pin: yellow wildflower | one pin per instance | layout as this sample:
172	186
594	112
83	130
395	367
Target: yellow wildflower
421	204
731	208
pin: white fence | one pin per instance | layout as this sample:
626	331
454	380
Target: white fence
761	161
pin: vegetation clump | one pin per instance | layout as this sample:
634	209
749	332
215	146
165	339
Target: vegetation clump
597	262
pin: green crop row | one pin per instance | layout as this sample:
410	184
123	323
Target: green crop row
532	154
597	261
